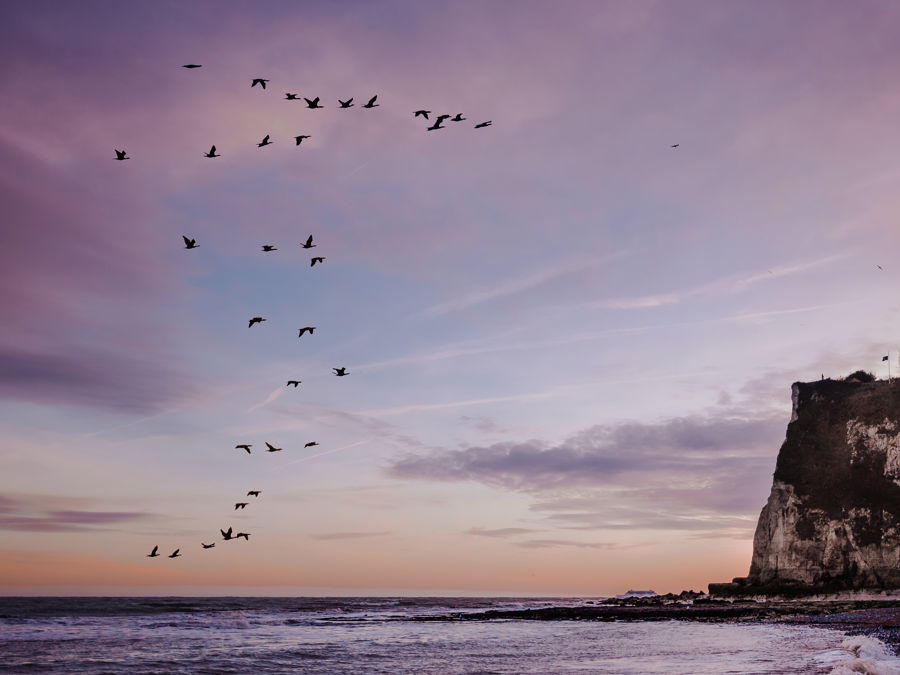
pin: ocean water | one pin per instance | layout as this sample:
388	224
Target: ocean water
386	635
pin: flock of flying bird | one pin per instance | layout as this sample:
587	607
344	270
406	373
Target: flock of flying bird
228	535
191	243
313	104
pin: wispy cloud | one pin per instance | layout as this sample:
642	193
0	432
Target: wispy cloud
502	532
518	285
503	343
329	452
402	410
334	536
731	284
555	543
41	514
269	399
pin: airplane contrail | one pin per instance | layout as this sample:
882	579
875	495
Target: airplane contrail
330	452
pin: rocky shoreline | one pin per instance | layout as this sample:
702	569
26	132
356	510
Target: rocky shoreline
878	618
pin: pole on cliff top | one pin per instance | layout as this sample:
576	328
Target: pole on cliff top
888	359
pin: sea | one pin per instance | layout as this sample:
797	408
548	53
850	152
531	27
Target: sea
388	635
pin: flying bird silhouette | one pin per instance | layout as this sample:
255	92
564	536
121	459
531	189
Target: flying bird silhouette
481	125
306	329
254	493
189	243
256	319
291	97
675	146
458	118
240	505
192	65
207	545
299	139
272	448
226	535
340	372
295	383
308	243
317	259
245	535
264	142
310	444
153	553
258	81
120	155
346	104
313	104
422	113
268	247
244	446
438	124
175	554
371	103
211	153
880	267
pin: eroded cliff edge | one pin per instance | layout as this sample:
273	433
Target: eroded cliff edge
832	520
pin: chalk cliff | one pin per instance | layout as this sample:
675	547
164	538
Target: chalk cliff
832	520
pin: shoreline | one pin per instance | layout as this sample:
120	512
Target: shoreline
874	618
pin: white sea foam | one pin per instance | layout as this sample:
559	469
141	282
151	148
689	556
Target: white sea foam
866	655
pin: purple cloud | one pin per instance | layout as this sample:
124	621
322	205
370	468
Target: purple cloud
703	473
608	455
555	543
28	515
89	378
333	536
500	532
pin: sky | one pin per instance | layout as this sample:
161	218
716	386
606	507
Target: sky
570	345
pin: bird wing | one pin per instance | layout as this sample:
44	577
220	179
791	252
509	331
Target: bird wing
266	139
309	240
155	549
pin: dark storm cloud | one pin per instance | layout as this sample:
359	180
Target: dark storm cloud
36	514
630	453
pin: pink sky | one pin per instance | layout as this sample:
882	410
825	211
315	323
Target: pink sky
570	345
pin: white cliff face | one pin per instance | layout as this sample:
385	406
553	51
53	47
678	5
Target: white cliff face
882	440
855	542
